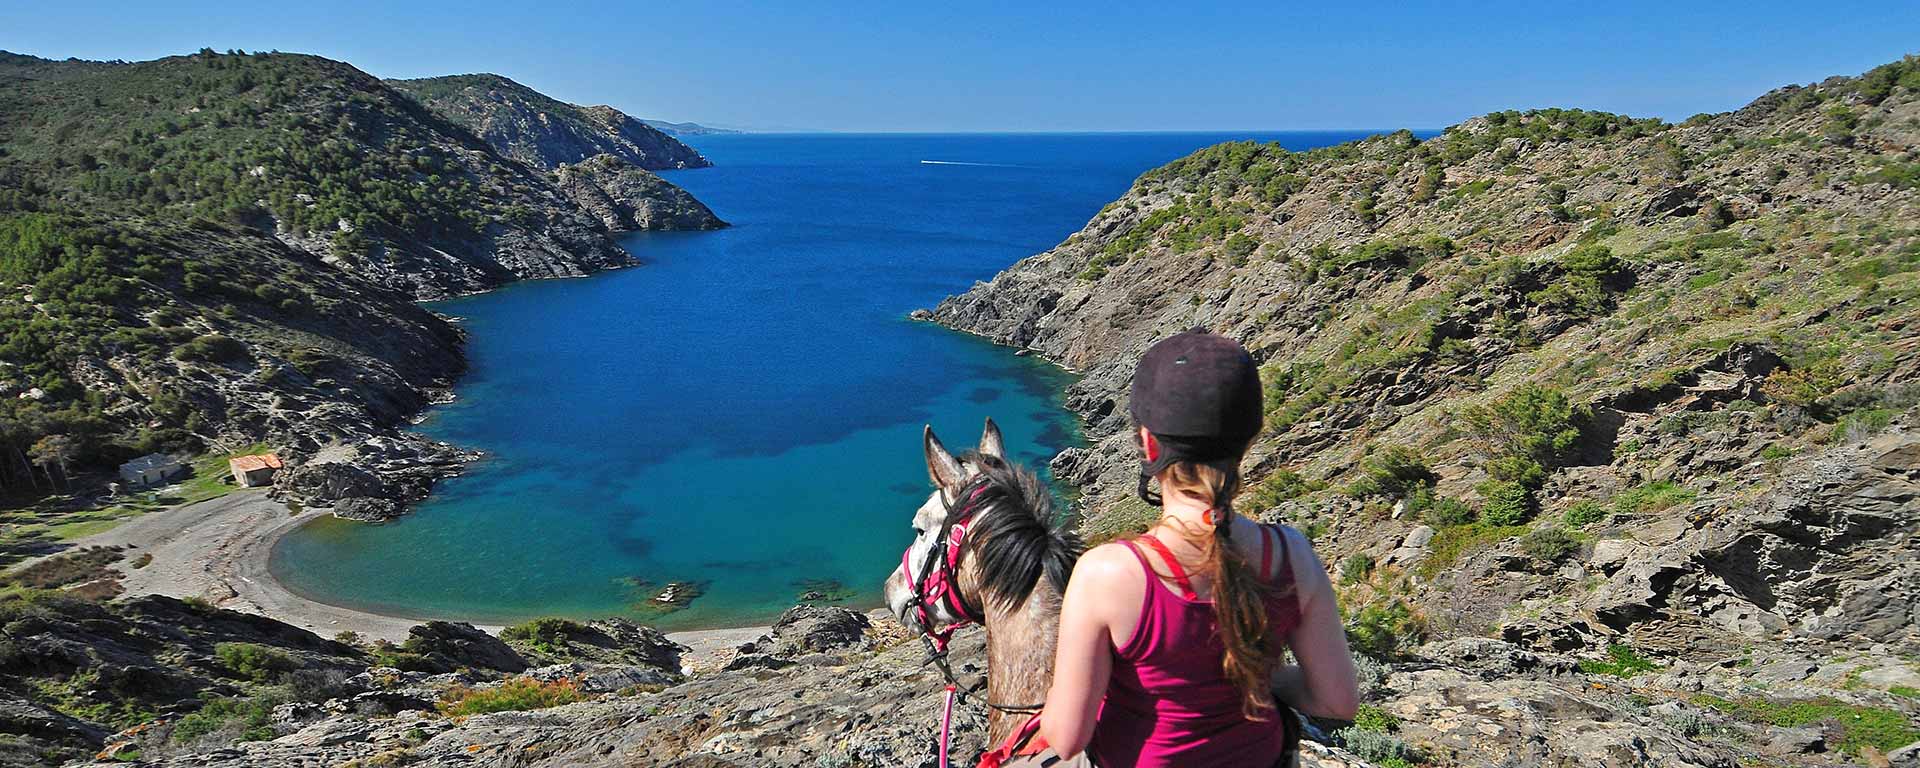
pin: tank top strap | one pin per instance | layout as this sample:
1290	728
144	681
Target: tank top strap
1266	552
1173	566
1285	576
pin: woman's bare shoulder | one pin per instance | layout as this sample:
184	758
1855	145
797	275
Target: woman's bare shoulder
1107	563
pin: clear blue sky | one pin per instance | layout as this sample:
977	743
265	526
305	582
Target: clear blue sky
1020	67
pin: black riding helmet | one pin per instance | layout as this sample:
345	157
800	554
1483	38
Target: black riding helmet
1199	394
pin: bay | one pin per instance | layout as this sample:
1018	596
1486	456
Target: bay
743	412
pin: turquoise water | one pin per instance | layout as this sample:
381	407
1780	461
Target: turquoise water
744	411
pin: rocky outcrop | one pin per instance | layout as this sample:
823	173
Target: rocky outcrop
445	646
72	672
627	198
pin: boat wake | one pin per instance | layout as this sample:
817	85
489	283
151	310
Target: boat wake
957	162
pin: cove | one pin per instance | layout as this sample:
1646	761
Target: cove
743	412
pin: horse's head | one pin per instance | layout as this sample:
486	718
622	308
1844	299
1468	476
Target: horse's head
985	534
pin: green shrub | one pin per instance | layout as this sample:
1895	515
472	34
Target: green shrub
1585	512
251	716
1529	431
251	661
1806	385
1441	511
1452	543
1279	486
1356	568
1379	748
212	348
1372	718
1549	544
1394	472
1621	661
545	635
1584	285
1381	628
515	694
1523	470
1860	425
1655	496
1507	503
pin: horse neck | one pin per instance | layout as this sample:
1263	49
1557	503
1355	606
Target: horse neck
1020	645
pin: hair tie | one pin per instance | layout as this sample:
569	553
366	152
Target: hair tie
1207	516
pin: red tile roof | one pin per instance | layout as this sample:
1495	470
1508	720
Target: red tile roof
251	463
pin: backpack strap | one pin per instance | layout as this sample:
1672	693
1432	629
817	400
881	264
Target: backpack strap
1174	568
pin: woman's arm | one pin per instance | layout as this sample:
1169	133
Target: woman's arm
1084	657
1323	684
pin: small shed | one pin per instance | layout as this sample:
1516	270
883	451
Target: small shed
153	469
254	471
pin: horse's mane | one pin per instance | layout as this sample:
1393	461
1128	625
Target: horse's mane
1016	535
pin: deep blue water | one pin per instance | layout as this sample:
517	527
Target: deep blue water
745	410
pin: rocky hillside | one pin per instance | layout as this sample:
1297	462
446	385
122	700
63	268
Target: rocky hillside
600	159
544	132
217	250
1638	393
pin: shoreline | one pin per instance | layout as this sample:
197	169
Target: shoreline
219	550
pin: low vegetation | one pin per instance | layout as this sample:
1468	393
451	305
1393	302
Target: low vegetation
515	694
1859	726
1620	661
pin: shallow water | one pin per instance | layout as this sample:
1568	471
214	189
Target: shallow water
744	411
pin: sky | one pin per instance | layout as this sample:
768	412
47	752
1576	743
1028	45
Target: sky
1062	66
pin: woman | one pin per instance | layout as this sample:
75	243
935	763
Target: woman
1169	643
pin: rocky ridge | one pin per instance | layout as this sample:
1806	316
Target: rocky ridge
544	132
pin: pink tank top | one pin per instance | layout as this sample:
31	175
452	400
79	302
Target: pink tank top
1168	701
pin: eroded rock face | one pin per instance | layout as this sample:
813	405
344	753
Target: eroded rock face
1831	553
627	198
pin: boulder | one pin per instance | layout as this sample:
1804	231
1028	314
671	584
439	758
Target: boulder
447	646
367	510
819	629
1794	741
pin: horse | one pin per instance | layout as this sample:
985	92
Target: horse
988	550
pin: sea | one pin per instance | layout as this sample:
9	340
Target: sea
741	415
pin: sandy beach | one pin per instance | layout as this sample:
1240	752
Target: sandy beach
218	550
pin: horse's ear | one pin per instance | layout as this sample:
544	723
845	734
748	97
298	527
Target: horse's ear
942	467
991	443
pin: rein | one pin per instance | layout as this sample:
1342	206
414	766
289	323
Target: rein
942	587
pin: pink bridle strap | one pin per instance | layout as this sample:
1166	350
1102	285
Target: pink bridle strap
936	586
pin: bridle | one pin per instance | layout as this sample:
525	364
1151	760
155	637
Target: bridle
941	587
938	584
